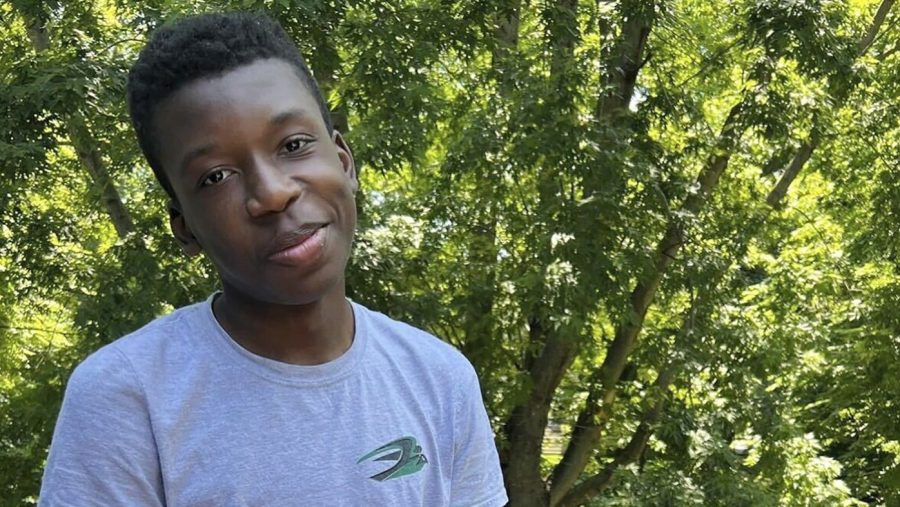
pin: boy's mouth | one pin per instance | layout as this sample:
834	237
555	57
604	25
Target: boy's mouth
299	245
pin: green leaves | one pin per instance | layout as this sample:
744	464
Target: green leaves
530	172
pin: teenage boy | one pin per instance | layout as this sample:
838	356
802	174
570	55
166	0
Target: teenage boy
276	390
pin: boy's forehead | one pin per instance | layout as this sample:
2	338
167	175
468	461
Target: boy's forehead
267	90
242	84
263	87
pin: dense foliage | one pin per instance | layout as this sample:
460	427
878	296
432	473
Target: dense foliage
666	232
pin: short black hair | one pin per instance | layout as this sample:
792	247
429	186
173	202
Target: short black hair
204	46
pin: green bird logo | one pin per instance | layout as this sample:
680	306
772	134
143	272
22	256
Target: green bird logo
405	451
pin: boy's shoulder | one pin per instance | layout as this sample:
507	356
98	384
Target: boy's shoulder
113	376
187	339
151	343
399	341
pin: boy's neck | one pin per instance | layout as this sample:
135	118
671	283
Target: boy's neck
310	334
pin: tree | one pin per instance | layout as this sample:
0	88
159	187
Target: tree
661	230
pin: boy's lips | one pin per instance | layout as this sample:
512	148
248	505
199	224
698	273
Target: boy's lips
297	246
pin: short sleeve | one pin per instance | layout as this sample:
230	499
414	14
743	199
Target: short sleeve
477	479
103	452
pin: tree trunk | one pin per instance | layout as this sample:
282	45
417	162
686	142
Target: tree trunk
528	421
622	64
526	425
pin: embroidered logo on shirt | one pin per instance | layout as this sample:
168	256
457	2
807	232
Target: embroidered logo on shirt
406	452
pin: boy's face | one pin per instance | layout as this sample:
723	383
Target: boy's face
261	187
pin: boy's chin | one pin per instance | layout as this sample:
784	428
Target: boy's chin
284	293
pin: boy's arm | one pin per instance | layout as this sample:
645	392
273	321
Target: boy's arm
103	451
477	479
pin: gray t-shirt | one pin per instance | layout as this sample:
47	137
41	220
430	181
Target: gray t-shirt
179	414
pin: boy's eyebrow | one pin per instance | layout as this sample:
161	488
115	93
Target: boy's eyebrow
290	114
196	153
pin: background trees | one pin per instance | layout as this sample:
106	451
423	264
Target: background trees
665	232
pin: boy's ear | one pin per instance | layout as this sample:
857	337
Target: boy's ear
189	244
346	157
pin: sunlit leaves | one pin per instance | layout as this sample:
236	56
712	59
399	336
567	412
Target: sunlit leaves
498	199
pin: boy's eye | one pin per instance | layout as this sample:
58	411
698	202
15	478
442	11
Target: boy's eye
217	176
295	144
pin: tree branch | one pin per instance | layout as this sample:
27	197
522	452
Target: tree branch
528	421
622	73
598	406
790	174
872	32
804	153
888	53
102	181
653	405
84	143
596	484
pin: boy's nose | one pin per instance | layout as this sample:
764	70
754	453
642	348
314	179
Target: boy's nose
271	190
